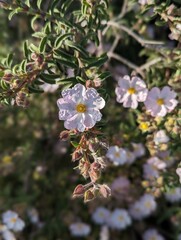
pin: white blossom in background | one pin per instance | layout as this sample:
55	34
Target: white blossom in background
160	137
173	195
157	163
136	211
152	234
79	107
130	157
143	2
12	221
49	88
131	91
143	208
101	215
139	149
8	235
33	215
167	158
119	219
178	171
79	229
104	233
160	102
148	203
116	155
150	171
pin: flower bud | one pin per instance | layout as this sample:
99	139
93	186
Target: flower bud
64	135
105	191
88	196
79	190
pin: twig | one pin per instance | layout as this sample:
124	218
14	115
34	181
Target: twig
142	41
126	62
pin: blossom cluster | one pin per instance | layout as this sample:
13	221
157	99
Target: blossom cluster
11	222
158	102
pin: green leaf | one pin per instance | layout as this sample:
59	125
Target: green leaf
42	45
77	47
99	62
15	11
49	78
34	89
75	144
39	2
26	50
60	39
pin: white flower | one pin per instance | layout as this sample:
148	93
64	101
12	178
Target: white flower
157	163
49	88
167	158
160	102
116	155
160	137
33	215
178	171
79	107
8	235
148	203
150	171
152	234
139	149
79	229
173	195
119	219
12	221
130	157
143	2
143	208
101	215
131	91
136	211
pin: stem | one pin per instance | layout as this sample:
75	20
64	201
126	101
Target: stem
142	41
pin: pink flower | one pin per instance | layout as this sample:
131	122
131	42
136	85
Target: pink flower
160	102
131	91
79	107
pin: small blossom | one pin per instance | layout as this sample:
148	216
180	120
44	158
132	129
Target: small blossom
79	107
131	91
160	137
173	195
143	208
49	88
157	163
150	171
101	215
160	102
12	221
119	219
79	229
151	234
139	149
8	235
33	215
130	157
116	155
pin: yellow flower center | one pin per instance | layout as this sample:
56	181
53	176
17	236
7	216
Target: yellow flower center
13	220
81	108
131	90
148	205
121	218
144	126
117	154
160	101
7	159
